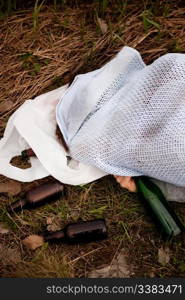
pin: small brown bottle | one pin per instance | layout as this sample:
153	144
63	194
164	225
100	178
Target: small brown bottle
38	196
80	232
27	153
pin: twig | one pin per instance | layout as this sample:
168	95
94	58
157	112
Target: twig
90	252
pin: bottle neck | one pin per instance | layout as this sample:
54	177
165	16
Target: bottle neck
27	153
17	205
55	236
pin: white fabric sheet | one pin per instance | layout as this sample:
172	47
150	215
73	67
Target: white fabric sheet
33	126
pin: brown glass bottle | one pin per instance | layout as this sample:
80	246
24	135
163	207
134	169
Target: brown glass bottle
38	196
80	232
27	153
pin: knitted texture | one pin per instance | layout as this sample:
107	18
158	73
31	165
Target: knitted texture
127	118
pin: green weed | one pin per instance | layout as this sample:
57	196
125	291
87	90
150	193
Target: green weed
124	227
32	63
102	7
6	7
147	17
36	11
57	82
98	212
122	6
182	267
175	46
5	218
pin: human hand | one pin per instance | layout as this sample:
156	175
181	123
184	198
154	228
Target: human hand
126	182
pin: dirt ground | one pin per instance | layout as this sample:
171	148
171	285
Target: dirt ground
41	51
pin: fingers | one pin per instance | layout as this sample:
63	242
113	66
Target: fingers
126	182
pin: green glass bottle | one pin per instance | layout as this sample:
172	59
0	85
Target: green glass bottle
166	220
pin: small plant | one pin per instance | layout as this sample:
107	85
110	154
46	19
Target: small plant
59	2
103	4
6	7
175	46
147	20
98	212
5	218
36	11
122	6
124	227
32	63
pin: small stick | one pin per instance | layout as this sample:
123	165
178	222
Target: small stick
90	252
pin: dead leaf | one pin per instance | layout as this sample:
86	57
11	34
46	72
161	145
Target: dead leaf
5	106
151	274
53	223
49	220
3	229
11	187
103	25
33	241
163	255
118	268
100	273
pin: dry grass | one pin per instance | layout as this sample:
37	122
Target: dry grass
71	40
68	42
